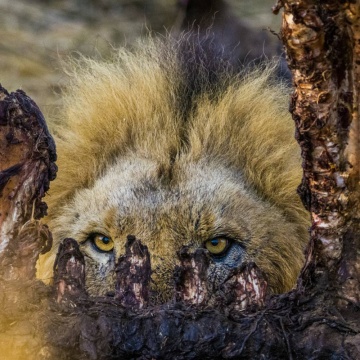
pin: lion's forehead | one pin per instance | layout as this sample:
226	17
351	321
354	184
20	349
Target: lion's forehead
131	198
132	189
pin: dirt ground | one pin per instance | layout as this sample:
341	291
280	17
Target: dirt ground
36	34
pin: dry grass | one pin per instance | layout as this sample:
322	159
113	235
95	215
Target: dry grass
36	34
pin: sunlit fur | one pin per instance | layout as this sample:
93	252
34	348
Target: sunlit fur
144	151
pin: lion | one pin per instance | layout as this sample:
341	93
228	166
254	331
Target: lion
168	143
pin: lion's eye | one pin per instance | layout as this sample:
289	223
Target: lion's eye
102	243
217	246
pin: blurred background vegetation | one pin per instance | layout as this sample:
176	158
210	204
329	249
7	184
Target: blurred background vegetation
36	34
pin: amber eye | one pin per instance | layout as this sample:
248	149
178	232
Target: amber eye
102	243
217	246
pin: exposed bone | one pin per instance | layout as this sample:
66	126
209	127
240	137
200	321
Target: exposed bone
27	155
69	271
245	288
133	273
322	43
191	277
